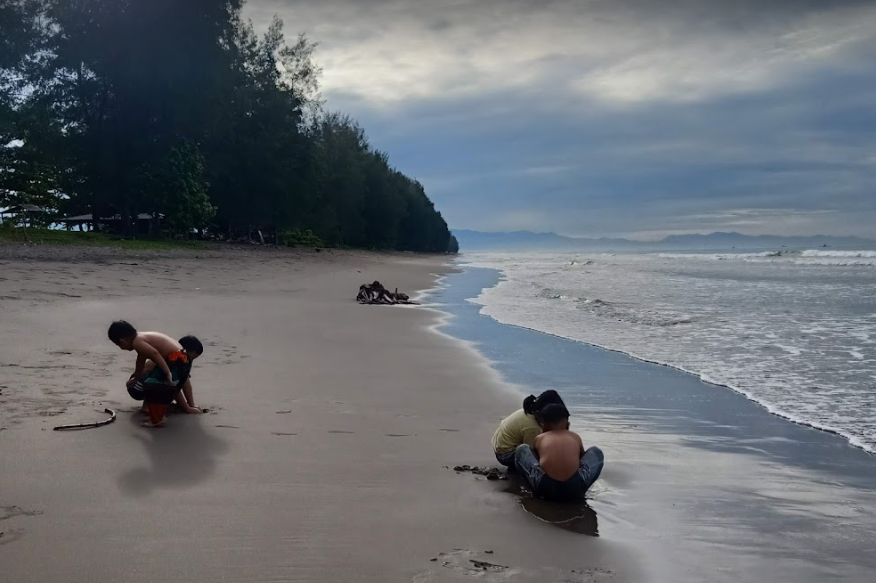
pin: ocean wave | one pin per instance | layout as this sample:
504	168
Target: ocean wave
632	314
725	256
622	313
837	261
836	253
815	257
837	258
553	294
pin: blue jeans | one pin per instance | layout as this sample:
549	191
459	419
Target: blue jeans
546	487
506	459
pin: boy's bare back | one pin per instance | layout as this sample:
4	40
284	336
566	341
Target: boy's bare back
156	347
559	452
163	343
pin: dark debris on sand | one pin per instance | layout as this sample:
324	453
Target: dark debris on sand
491	474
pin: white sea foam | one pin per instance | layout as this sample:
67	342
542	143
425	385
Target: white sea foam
838	253
837	258
794	332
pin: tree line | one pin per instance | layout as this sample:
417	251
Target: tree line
179	110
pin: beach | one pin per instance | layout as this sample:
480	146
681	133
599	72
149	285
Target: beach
333	428
326	453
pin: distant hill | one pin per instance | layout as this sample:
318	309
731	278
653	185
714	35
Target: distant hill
529	241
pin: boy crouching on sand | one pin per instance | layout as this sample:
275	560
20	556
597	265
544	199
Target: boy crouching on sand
562	470
167	378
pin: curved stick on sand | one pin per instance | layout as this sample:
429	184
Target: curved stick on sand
112	418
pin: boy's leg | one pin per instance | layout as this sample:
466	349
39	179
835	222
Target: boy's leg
157	413
137	393
591	466
506	459
158	397
527	464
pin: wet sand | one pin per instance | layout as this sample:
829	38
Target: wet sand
325	453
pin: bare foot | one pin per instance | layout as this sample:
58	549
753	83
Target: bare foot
193	411
154	425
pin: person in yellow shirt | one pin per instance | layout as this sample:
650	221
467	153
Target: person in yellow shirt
521	427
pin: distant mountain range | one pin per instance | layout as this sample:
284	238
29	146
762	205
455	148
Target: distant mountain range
529	241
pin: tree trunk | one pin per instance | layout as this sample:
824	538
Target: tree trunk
127	230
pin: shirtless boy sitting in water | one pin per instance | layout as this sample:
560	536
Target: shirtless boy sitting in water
563	470
161	374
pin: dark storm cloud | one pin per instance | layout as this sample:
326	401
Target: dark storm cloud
613	117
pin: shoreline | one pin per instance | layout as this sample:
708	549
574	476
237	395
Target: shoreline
328	419
850	439
443	319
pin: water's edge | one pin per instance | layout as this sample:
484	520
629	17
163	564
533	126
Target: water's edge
770	408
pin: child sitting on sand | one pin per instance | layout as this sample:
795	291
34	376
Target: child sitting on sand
521	427
162	369
558	468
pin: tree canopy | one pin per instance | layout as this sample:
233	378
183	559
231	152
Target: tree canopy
180	110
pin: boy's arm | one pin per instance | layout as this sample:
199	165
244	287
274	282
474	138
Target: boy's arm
138	370
184	398
146	350
580	443
139	366
530	434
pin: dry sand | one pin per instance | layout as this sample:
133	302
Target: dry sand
322	458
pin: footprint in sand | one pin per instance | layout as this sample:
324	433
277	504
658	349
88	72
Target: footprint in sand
281	433
463	564
397	434
339	431
10	536
51	413
284	412
228	426
7	512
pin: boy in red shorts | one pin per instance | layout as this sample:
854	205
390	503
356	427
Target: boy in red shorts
163	382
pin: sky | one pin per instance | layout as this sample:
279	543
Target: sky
636	118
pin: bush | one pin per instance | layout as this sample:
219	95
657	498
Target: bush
297	237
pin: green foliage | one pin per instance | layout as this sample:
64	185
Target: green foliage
27	181
299	238
179	109
11	233
175	186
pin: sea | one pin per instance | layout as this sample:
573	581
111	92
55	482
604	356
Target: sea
792	330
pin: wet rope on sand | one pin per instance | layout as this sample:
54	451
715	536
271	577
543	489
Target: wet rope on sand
107	421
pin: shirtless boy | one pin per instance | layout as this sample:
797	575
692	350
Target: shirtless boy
558	468
162	370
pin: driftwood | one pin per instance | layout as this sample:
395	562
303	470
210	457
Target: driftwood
375	294
111	418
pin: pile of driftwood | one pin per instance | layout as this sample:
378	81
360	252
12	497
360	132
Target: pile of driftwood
375	293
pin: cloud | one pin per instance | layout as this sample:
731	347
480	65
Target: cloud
607	117
612	50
